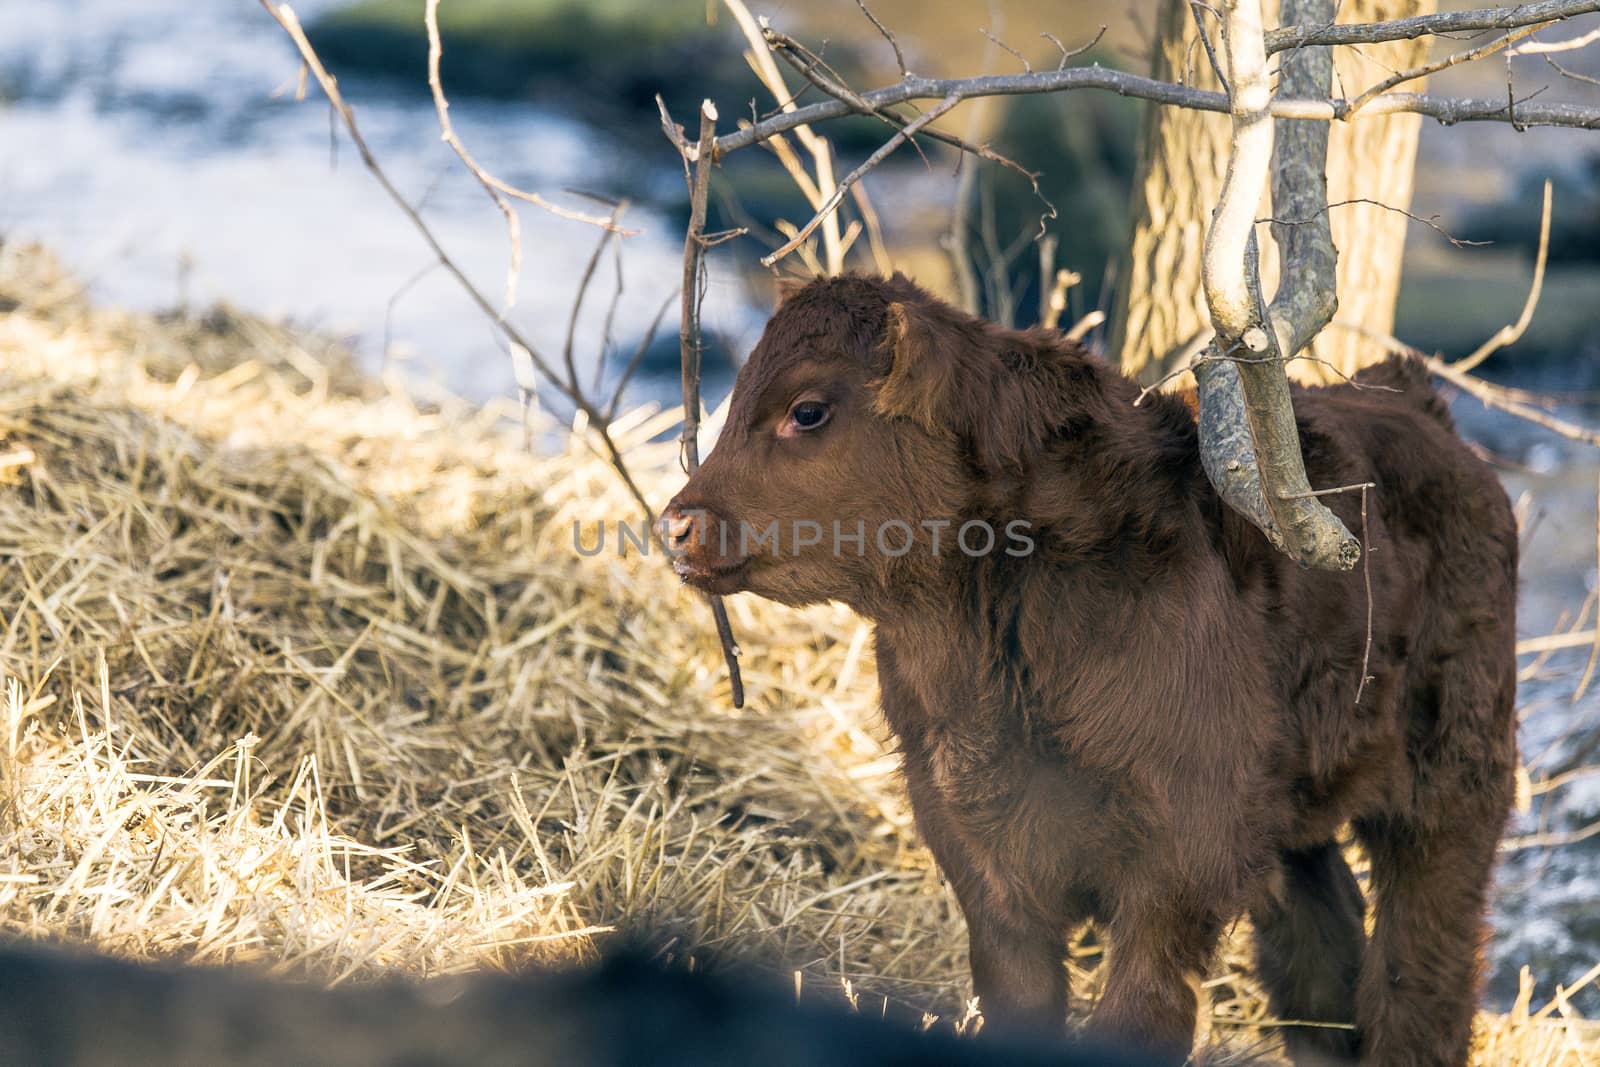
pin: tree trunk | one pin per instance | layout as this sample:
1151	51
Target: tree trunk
1160	317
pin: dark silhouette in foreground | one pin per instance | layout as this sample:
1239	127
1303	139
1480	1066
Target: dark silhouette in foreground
1147	717
70	1008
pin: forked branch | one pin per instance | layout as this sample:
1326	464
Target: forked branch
1249	443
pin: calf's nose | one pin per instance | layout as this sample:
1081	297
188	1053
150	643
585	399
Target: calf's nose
677	528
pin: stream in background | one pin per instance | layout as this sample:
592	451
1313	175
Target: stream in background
158	148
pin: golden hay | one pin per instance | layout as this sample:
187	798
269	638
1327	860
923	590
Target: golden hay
303	672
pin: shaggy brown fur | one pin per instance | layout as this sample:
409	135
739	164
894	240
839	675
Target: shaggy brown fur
1149	719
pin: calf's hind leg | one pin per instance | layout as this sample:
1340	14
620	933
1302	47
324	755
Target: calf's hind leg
1419	982
1309	940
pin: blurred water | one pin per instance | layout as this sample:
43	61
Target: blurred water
139	137
157	146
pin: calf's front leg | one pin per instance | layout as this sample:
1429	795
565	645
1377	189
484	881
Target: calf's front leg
1017	959
1017	972
1156	958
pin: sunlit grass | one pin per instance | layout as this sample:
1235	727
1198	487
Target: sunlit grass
301	672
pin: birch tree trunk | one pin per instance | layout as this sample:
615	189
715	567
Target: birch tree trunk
1160	313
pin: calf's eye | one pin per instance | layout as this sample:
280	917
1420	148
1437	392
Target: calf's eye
808	415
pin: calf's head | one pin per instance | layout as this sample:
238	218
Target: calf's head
870	423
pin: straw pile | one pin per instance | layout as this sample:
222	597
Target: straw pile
301	671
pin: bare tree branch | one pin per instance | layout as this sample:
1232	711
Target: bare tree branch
1488	18
290	22
901	136
1306	299
1445	110
819	148
1490	395
583	289
1454	59
810	67
1431	221
1572	74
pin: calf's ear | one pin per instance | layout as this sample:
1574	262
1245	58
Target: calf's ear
788	286
954	377
920	384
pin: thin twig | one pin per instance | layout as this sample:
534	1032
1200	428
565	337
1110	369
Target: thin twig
608	331
1594	649
1074	53
1331	492
1510	334
815	70
899	57
689	345
1488	394
1195	9
901	136
1540	48
583	289
286	18
1026	66
1429	222
1443	64
1366	576
1572	74
639	352
394	301
498	190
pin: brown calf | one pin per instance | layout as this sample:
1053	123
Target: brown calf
1122	704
